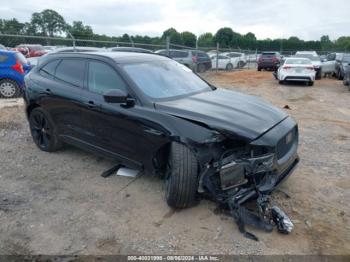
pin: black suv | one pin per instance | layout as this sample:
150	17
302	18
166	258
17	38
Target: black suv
151	113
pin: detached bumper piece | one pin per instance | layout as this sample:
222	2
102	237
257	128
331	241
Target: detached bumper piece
233	196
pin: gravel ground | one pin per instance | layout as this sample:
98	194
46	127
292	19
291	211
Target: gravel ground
57	203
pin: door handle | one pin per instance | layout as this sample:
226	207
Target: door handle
90	104
48	91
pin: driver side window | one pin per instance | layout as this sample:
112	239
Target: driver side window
102	77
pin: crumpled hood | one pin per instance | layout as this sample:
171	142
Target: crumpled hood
229	111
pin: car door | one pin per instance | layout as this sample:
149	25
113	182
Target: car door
329	65
60	83
111	128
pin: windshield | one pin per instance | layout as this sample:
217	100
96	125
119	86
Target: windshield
309	56
165	79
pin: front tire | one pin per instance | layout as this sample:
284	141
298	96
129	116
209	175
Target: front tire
43	131
310	83
181	180
229	67
9	88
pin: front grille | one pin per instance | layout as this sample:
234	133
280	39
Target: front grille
286	143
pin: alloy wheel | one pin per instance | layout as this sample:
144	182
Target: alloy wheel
7	89
41	130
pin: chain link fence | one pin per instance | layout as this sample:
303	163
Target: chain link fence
193	57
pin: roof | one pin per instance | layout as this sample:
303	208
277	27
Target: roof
119	57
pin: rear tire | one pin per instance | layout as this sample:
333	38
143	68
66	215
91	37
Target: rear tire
259	69
201	68
345	82
339	75
281	82
310	83
9	88
43	131
181	181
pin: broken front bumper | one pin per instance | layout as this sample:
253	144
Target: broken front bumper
242	178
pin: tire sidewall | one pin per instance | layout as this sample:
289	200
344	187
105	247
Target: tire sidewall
15	84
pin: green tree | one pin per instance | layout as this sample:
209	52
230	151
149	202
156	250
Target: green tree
48	22
326	43
175	36
224	36
79	30
206	40
11	26
188	39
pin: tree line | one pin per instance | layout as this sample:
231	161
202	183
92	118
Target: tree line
49	23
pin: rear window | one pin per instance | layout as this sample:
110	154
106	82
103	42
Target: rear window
269	53
178	54
71	71
309	56
298	61
234	55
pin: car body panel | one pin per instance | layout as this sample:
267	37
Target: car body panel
295	72
9	60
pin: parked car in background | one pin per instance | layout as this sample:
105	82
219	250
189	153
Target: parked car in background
269	60
341	66
315	60
130	49
189	58
240	57
152	114
346	78
296	69
330	64
31	50
13	67
78	49
313	53
224	62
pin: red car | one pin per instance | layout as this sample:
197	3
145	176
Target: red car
31	50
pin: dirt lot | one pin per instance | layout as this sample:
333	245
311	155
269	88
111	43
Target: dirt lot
57	203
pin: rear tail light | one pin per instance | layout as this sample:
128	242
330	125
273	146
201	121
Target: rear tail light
194	59
287	67
18	67
310	68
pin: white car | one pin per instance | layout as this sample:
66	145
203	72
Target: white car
314	53
239	57
296	69
224	62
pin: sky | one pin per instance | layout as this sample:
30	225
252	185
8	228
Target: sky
306	19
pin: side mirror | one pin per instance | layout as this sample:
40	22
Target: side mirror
115	96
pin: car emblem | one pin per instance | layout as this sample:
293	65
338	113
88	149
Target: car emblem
289	138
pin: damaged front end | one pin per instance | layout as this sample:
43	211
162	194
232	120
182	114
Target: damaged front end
240	172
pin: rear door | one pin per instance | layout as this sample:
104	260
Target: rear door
61	82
